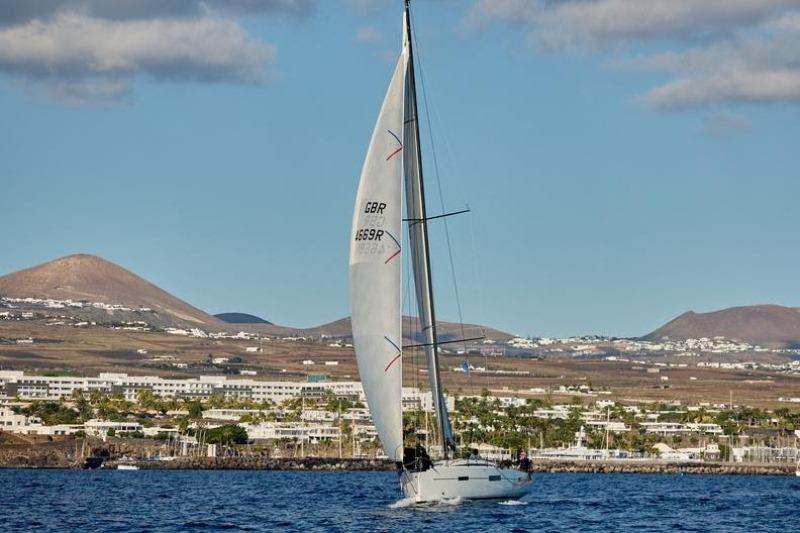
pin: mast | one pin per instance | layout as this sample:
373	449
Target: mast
418	236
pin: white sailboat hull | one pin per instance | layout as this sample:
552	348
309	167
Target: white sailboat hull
466	479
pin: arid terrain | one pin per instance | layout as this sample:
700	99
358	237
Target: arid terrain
90	350
81	314
757	324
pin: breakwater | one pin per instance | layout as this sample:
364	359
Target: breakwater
63	455
663	467
261	463
565	467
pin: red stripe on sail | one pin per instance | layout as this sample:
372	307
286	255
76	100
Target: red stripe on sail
394	153
396	357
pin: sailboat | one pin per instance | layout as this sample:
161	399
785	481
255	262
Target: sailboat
393	165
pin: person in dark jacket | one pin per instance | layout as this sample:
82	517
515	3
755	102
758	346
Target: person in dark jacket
524	463
416	459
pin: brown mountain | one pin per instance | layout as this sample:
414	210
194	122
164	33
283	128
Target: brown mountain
447	331
772	325
241	318
90	278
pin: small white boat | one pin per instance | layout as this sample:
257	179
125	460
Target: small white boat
127	467
394	163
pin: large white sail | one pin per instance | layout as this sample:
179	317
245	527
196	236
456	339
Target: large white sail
375	280
375	270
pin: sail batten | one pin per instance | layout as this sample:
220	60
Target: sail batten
375	269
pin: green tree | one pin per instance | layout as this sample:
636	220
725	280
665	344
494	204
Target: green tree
82	404
195	408
227	434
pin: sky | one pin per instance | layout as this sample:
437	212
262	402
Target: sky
624	161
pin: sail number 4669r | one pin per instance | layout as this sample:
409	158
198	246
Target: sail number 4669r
369	234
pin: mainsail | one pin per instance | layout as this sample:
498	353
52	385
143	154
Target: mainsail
375	269
418	243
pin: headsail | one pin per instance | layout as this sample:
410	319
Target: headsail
375	270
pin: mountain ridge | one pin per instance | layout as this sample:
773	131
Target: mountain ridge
89	278
86	277
764	324
241	318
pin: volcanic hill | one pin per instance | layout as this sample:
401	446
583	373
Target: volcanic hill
241	318
88	278
447	331
768	325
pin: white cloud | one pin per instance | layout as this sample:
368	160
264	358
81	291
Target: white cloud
75	46
370	7
762	66
83	51
716	51
724	124
368	35
563	22
21	11
81	92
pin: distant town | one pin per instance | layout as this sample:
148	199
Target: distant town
590	346
217	415
181	389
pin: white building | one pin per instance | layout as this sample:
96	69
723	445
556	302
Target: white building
17	384
298	431
100	428
668	453
14	423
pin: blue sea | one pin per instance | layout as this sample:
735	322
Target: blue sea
158	500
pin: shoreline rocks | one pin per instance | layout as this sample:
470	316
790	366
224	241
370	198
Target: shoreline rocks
64	455
375	465
263	463
663	467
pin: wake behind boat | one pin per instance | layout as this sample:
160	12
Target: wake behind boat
393	159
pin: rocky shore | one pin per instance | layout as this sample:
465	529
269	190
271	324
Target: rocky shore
663	467
261	463
53	457
68	453
40	455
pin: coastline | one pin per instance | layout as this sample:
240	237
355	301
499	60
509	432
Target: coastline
336	464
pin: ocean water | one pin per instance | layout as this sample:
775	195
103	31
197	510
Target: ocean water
58	500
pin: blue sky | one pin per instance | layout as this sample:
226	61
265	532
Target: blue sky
621	168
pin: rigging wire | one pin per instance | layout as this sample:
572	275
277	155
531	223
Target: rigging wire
441	195
473	249
412	324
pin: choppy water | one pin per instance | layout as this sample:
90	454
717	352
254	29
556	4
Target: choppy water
367	501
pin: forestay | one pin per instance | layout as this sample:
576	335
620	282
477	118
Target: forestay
375	270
